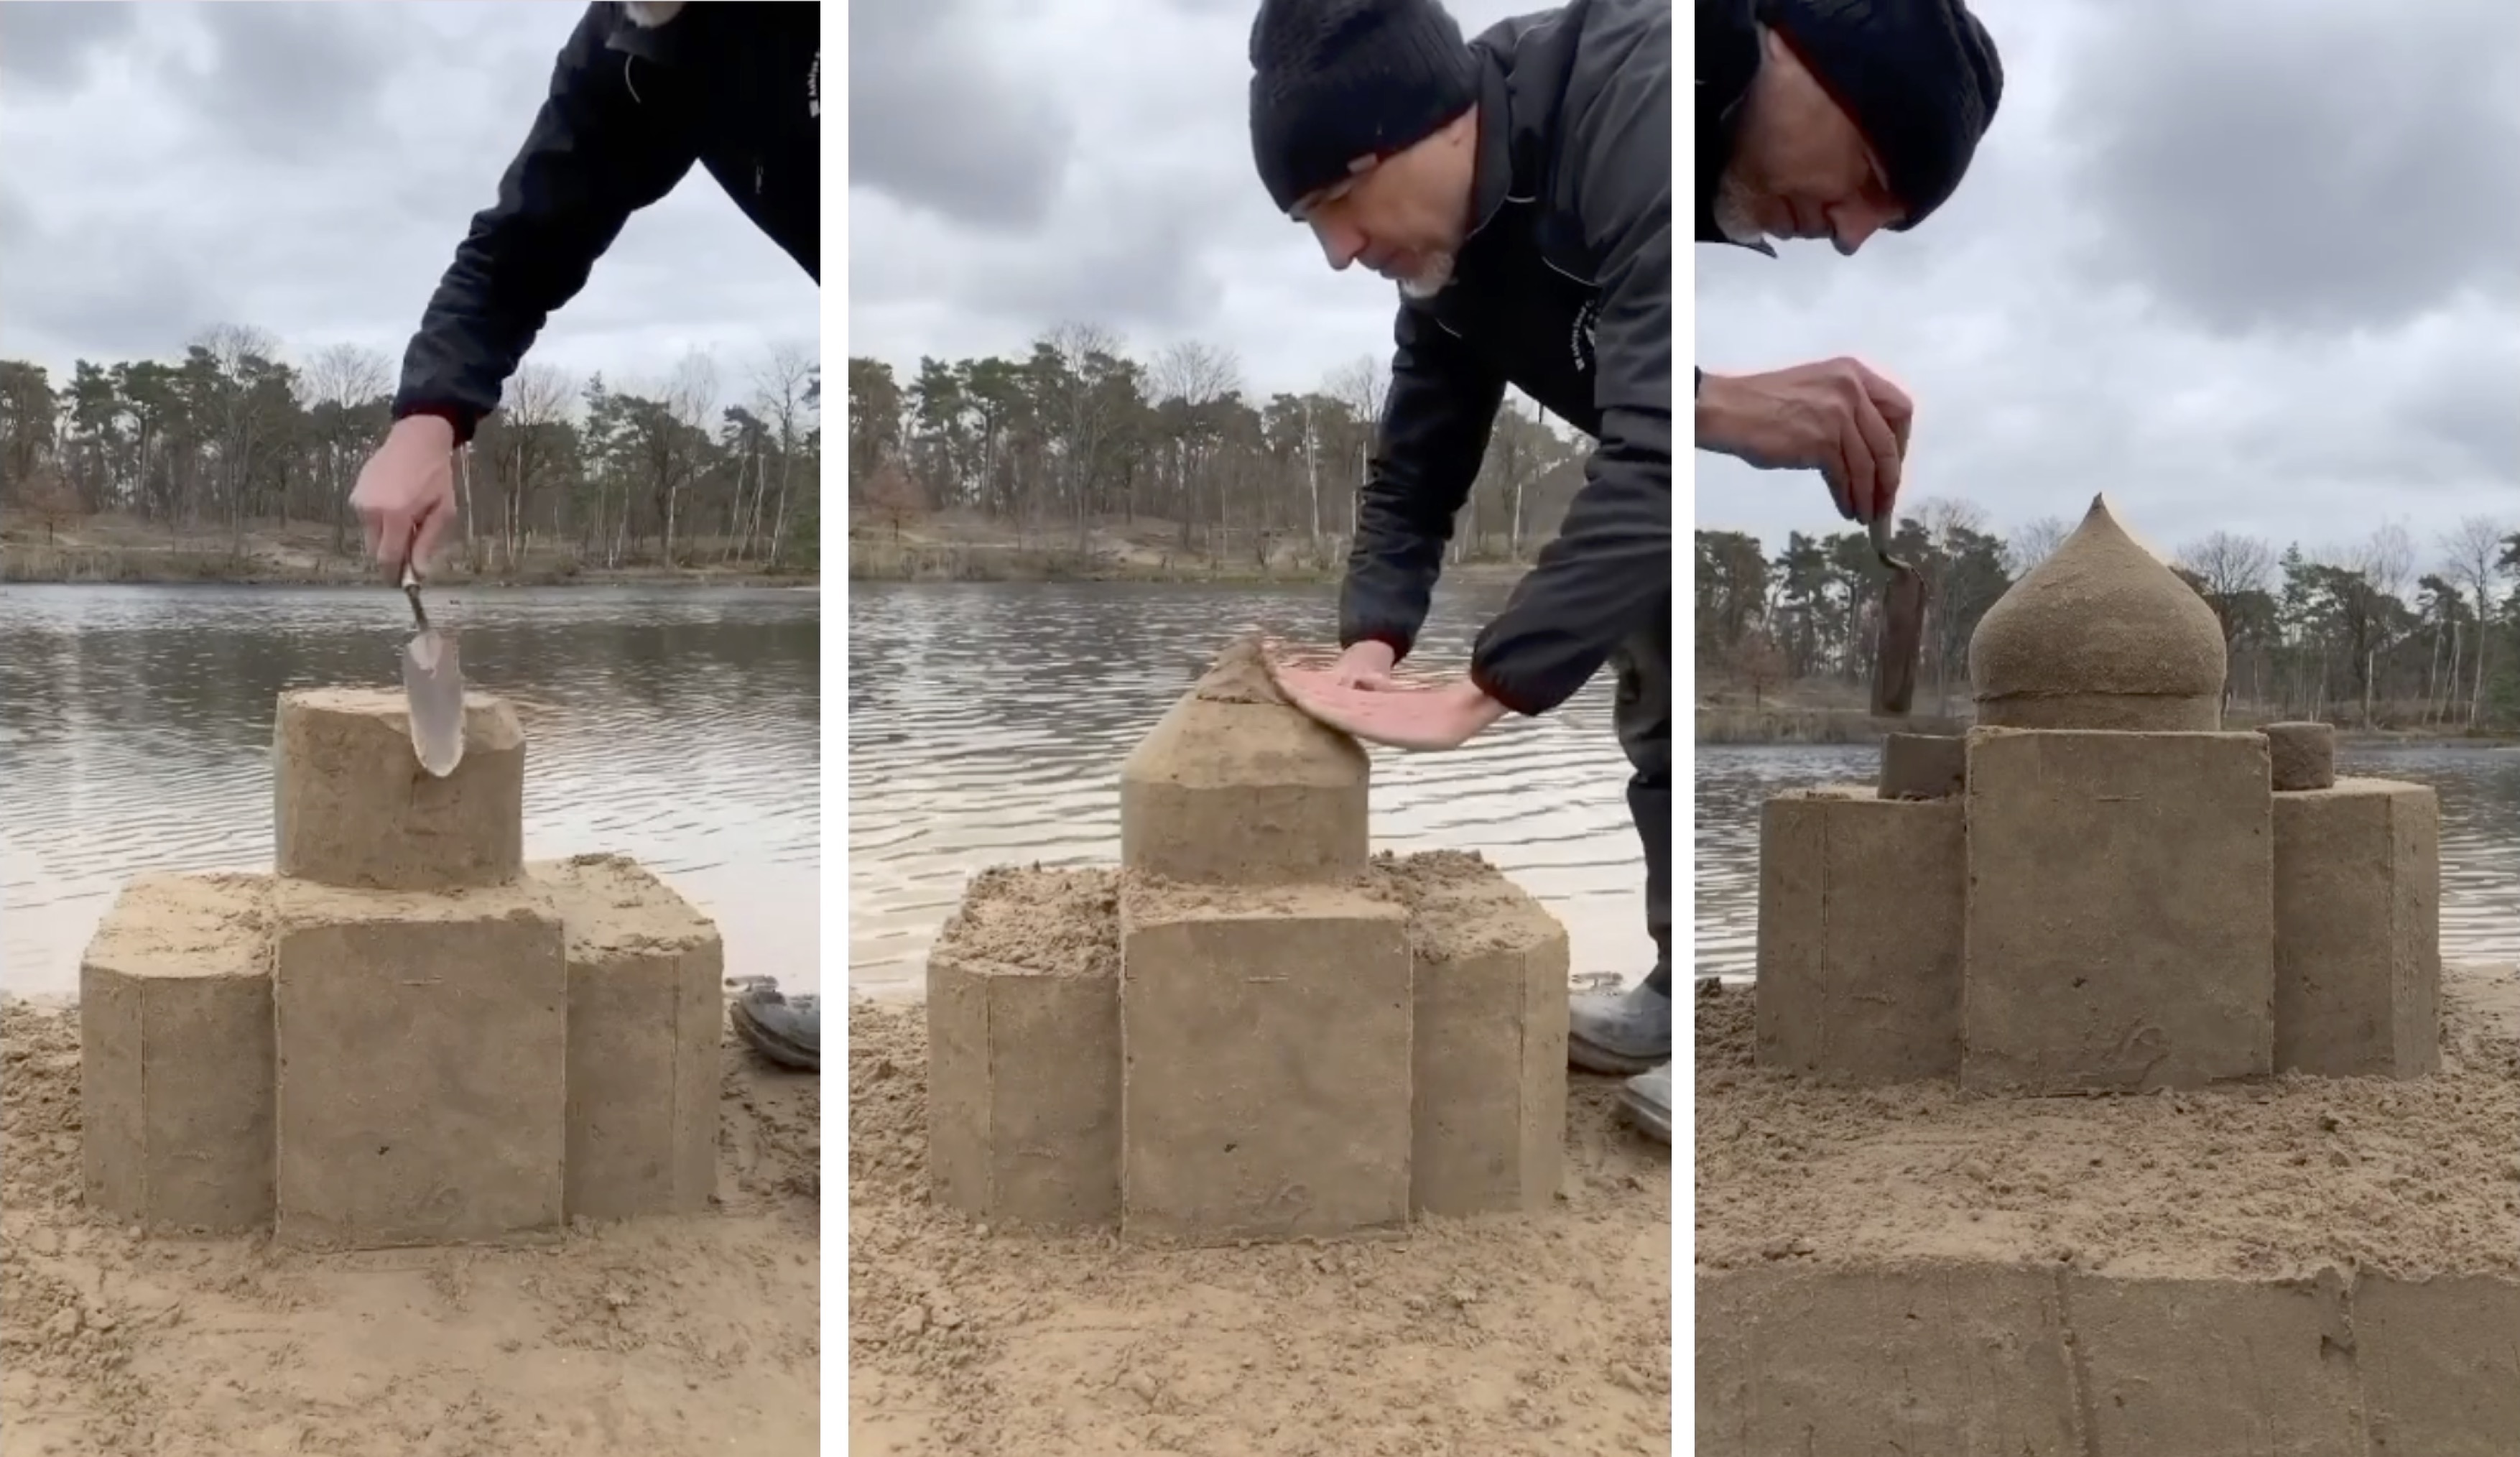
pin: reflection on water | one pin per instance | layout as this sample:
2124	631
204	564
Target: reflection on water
987	724
677	725
2480	837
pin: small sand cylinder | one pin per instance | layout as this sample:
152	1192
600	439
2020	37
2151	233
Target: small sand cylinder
2302	756
1923	766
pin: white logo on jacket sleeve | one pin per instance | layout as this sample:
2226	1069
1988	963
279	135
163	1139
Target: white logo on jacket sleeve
814	88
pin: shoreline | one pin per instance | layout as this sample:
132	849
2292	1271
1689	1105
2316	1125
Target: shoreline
1773	726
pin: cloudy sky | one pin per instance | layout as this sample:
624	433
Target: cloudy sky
1013	165
2249	266
308	169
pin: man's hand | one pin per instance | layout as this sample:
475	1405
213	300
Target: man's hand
406	493
1364	664
1400	717
1835	417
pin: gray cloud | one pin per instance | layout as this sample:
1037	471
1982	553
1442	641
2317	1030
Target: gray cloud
2244	267
1134	202
49	45
2317	170
941	117
308	169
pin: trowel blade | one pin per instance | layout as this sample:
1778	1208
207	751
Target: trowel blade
432	685
1903	639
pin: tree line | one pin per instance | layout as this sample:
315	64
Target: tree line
2382	633
1077	436
235	435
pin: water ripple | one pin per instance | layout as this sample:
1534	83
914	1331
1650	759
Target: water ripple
987	724
678	726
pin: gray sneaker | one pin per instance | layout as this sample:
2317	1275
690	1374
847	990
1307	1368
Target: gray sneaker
1618	1031
1647	1101
787	1030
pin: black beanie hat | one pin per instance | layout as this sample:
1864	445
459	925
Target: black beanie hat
1919	77
1336	81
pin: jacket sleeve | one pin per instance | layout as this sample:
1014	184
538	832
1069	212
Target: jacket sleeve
1609	569
594	157
1434	432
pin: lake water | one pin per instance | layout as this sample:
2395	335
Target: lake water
987	724
678	726
2480	837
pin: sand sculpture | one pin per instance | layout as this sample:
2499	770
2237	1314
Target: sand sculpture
1251	1029
2098	891
407	1034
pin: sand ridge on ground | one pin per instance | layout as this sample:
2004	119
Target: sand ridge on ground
2270	1179
657	1338
1549	1334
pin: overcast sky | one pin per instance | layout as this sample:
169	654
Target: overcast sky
2251	265
308	169
1013	165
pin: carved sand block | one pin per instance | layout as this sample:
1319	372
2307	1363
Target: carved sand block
1923	766
645	972
2357	929
2120	911
2301	756
1861	916
474	1054
351	806
1265	1074
424	1042
1023	1049
1488	1015
175	1064
1235	787
1250	1030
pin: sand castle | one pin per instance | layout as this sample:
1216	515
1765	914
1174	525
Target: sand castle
1252	1028
407	1034
2098	891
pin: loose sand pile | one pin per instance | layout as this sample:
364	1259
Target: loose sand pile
2271	1179
1542	1336
659	1338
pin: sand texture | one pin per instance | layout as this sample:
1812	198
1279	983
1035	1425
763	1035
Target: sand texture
1547	1335
663	1338
2272	1178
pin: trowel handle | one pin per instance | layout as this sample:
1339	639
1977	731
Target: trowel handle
411	592
1883	526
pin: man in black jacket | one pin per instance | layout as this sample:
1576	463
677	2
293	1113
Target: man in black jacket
640	93
1829	119
1517	190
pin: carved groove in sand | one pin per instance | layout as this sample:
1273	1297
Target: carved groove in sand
2098	888
408	1034
1252	1028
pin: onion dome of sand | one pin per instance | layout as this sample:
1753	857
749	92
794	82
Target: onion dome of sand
2102	635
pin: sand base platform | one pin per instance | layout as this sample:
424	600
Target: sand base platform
2299	1266
1515	1335
661	1337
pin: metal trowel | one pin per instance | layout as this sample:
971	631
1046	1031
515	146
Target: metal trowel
433	686
1903	627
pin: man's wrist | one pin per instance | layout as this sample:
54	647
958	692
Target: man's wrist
1715	413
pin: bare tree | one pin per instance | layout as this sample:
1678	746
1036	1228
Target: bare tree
690	399
2033	543
1361	386
537	401
2228	564
1196	377
2473	548
783	384
340	381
